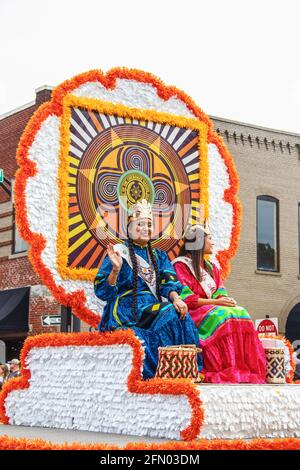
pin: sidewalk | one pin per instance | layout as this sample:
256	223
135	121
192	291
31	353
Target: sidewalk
60	436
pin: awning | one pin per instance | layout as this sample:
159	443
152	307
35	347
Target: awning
14	309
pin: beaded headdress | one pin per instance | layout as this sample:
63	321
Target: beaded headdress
140	210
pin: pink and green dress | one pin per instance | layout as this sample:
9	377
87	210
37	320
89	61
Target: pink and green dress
231	349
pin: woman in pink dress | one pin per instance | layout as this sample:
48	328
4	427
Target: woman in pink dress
232	351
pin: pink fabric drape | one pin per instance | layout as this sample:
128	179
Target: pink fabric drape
233	352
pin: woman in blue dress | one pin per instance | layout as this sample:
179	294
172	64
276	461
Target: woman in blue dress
142	292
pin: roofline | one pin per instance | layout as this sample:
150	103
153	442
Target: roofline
17	110
253	126
44	87
239	123
27	105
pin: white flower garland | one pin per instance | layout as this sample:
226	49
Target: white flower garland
42	190
85	388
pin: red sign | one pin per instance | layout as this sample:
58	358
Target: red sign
267	326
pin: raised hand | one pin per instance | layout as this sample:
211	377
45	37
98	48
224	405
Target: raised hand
115	257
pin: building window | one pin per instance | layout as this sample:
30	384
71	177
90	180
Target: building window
267	229
19	245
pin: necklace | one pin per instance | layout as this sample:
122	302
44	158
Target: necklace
148	274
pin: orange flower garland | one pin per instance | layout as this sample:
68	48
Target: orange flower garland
28	169
230	196
135	383
9	443
77	300
125	112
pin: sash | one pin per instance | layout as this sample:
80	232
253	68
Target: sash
208	283
144	270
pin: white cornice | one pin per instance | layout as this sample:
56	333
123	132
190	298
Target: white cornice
238	123
44	87
27	105
253	126
17	110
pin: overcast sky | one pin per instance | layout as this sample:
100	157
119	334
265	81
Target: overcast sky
238	59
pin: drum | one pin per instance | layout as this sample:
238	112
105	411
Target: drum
275	366
178	362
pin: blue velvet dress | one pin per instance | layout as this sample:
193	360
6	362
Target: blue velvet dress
157	323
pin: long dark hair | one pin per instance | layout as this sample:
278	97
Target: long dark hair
197	257
135	273
154	262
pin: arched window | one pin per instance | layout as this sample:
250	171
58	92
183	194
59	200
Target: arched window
292	328
267	230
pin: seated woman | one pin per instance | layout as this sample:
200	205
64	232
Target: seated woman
232	351
143	293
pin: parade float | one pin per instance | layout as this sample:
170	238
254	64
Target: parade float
101	138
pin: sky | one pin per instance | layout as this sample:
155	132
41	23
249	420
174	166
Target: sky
237	59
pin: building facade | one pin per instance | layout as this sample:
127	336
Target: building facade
24	301
265	273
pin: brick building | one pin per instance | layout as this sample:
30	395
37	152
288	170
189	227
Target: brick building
20	308
265	272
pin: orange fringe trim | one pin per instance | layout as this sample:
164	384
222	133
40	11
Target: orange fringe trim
135	383
9	443
27	169
290	376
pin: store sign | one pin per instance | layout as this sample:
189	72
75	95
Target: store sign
1	175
